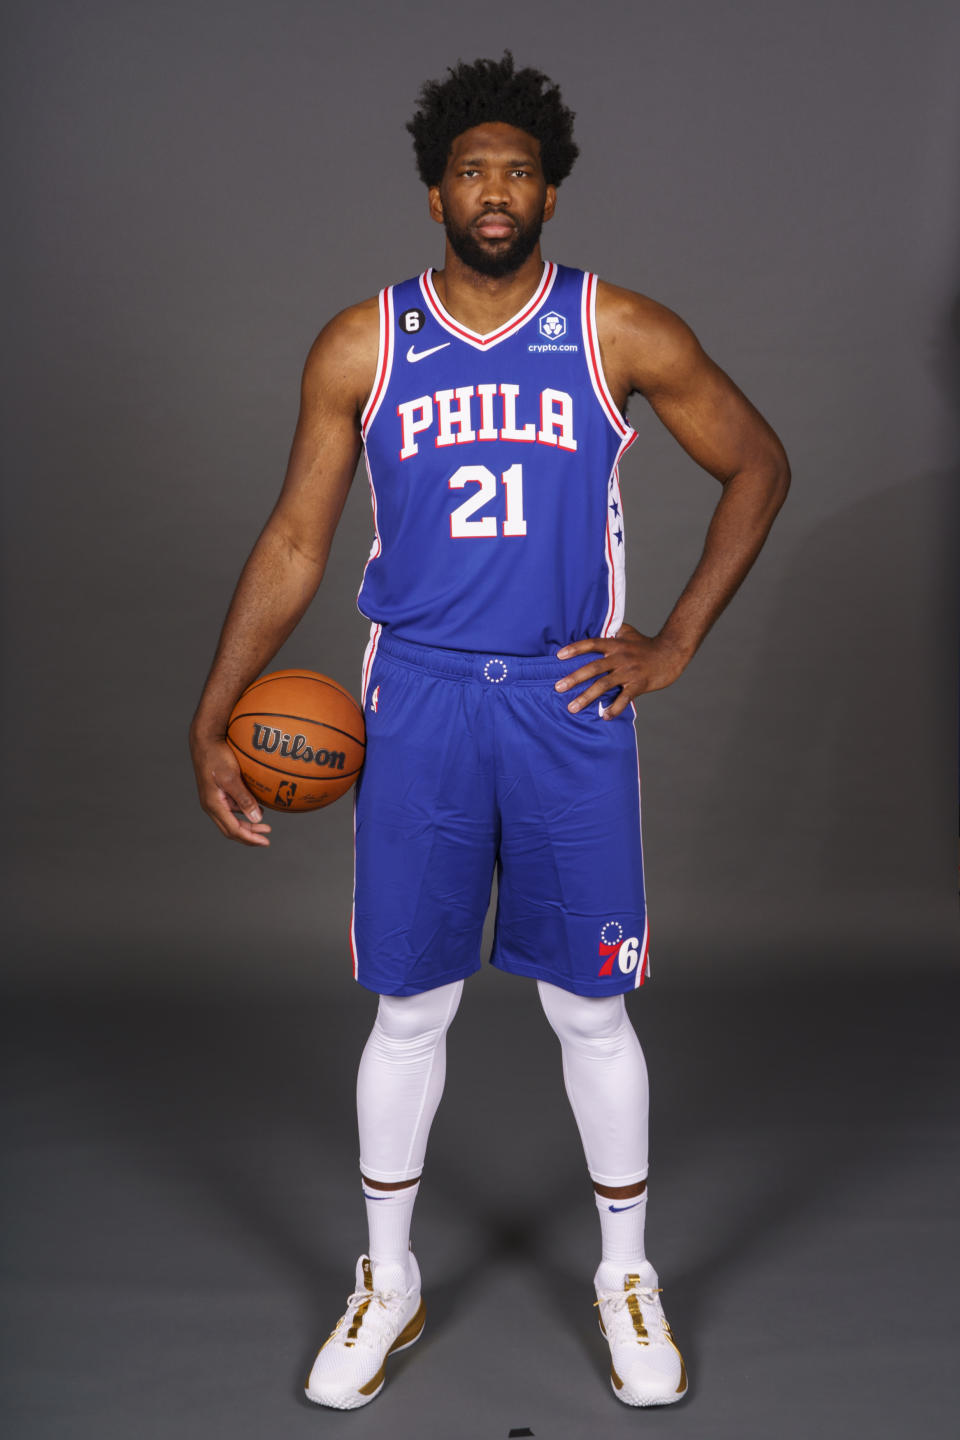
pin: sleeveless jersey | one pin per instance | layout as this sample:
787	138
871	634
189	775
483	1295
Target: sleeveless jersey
492	462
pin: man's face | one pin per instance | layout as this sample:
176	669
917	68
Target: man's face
493	199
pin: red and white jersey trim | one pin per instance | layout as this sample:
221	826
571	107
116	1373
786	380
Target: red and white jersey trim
588	320
353	902
376	547
369	655
384	361
643	964
385	353
615	548
484	342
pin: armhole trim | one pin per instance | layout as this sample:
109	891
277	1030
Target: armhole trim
384	361
588	318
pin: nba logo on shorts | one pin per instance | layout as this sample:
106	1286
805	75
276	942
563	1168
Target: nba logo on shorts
626	952
375	698
552	325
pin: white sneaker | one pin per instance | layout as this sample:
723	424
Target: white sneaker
646	1366
385	1313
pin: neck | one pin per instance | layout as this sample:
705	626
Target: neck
479	301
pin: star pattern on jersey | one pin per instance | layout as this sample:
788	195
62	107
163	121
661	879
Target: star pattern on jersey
615	508
619	536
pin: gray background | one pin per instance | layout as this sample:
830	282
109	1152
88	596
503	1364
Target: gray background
192	191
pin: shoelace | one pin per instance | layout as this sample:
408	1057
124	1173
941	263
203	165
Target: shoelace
365	1333
624	1316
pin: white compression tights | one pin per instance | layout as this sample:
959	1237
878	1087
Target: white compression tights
400	1081
403	1067
606	1079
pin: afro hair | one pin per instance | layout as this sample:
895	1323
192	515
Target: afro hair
492	90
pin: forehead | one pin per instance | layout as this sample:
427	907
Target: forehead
494	141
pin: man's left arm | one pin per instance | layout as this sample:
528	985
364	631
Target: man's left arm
649	350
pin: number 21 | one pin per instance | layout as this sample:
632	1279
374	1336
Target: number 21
462	527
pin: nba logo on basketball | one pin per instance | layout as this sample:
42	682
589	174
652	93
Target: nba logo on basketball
552	325
375	698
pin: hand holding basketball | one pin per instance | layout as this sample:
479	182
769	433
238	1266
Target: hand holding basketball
295	737
223	794
299	738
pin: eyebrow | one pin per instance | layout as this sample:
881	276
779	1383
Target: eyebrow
480	159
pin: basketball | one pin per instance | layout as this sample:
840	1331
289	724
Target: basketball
299	738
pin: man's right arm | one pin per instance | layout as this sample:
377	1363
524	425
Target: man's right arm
287	563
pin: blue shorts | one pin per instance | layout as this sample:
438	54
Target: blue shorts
474	762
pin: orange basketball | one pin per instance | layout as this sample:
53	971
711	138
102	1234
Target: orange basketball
299	737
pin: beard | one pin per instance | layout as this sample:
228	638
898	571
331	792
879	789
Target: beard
508	255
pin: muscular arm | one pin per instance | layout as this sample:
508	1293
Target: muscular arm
287	563
646	349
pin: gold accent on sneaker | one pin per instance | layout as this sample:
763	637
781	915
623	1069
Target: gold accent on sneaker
375	1383
683	1368
636	1315
364	1305
412	1328
407	1336
633	1305
354	1330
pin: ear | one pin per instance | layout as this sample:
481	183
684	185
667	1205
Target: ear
435	204
549	203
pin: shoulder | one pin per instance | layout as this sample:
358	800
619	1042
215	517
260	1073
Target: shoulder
344	354
643	343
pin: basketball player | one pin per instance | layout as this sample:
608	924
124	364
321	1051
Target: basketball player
490	398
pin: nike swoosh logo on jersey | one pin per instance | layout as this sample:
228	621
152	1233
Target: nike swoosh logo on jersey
414	355
617	1208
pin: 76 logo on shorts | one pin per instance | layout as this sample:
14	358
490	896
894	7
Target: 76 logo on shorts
626	952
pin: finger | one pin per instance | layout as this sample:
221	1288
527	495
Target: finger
616	707
246	837
260	828
596	692
586	672
240	830
239	796
233	823
581	647
248	833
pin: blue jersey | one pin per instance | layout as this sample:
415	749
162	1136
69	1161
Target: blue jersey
492	462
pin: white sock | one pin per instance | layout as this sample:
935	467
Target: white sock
389	1213
621	1236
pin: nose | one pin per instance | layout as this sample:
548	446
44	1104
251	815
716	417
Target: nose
494	191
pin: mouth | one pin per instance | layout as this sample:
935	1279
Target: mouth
494	227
